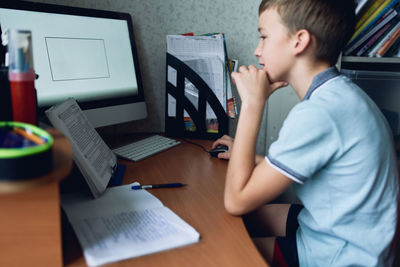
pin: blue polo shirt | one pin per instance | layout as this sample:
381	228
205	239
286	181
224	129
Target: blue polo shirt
337	146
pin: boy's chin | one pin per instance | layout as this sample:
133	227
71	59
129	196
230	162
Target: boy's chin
273	78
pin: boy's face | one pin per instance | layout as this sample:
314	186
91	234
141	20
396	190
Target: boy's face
273	50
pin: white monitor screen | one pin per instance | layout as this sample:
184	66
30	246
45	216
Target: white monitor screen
82	53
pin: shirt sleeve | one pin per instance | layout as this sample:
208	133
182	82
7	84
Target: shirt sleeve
307	141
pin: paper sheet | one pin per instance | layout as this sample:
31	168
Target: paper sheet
206	56
124	223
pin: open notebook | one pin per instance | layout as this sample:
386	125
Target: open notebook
119	223
124	223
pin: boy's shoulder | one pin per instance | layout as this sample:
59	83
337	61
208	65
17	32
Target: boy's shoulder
332	97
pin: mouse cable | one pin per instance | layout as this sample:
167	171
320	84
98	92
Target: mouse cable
196	144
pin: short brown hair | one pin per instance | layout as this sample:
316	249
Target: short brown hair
331	22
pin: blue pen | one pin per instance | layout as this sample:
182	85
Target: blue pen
136	187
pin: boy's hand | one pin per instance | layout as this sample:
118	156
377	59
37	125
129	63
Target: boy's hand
254	85
227	141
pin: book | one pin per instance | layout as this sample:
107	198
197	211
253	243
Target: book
379	12
393	49
393	24
373	39
233	65
381	34
389	42
373	50
231	110
362	6
124	223
388	16
367	13
91	154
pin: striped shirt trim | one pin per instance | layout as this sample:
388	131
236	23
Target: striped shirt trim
285	170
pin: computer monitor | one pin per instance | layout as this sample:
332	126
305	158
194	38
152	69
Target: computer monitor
86	54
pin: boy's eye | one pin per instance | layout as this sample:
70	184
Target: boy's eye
262	37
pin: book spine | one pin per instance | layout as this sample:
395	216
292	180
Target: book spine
360	5
374	17
373	40
376	48
387	17
393	49
368	13
385	47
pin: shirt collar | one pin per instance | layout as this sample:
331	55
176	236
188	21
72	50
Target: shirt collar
320	79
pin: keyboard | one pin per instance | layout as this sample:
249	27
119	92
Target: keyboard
145	148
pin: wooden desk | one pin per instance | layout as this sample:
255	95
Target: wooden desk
30	229
224	239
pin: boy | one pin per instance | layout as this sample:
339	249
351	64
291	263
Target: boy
334	146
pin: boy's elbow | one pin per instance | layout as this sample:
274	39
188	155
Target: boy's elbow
234	207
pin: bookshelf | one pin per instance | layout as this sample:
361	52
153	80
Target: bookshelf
389	64
375	44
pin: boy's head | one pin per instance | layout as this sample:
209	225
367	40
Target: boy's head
331	22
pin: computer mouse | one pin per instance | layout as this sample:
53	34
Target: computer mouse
218	149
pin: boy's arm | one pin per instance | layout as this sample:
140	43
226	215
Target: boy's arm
249	185
228	141
259	158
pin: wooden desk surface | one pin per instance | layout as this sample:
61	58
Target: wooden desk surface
30	229
224	240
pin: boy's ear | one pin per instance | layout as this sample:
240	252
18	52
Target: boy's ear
302	40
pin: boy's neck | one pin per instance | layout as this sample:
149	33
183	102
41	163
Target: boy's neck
303	74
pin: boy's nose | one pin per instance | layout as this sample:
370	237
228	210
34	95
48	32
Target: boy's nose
257	51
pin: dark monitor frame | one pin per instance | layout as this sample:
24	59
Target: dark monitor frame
67	10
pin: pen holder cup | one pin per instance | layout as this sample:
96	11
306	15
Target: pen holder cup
22	76
25	151
23	99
